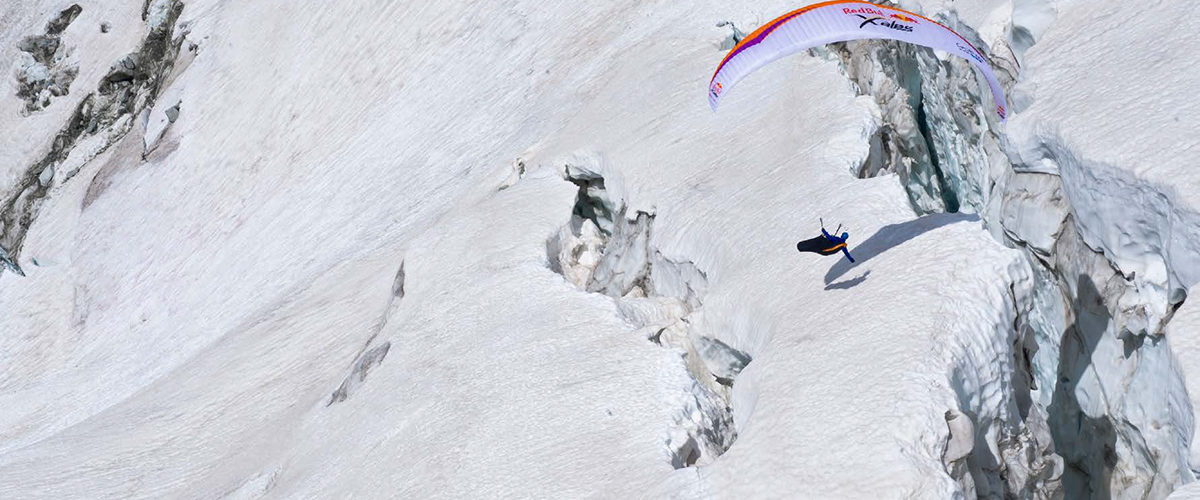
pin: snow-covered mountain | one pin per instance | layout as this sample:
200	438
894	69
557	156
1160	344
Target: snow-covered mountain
504	249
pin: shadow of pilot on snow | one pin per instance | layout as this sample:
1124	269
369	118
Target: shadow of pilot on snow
886	238
850	283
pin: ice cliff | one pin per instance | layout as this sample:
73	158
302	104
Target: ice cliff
1099	209
505	250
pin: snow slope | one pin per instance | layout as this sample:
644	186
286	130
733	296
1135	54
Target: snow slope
1122	142
332	274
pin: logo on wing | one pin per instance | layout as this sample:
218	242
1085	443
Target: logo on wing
969	51
876	17
875	21
868	20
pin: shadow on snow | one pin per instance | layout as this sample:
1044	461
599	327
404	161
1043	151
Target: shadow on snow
886	238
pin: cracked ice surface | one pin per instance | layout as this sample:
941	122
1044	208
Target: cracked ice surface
1130	200
1117	125
197	309
1183	334
1123	141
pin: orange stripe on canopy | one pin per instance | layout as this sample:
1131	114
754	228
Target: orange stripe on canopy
830	22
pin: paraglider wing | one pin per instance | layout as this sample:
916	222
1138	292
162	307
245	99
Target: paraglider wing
838	21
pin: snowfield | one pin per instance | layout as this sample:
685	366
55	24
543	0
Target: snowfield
504	249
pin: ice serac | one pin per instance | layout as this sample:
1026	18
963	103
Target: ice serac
1183	333
1013	454
210	296
972	434
204	289
1109	226
1132	194
660	297
825	349
45	70
918	93
99	120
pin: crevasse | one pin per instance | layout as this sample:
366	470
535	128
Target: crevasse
1104	379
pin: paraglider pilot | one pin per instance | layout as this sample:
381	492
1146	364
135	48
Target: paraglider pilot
826	244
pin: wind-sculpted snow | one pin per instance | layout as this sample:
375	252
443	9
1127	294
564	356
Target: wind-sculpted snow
1058	200
326	265
1058	204
811	345
1187	492
1123	151
1153	233
889	237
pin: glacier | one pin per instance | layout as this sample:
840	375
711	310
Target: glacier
504	249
